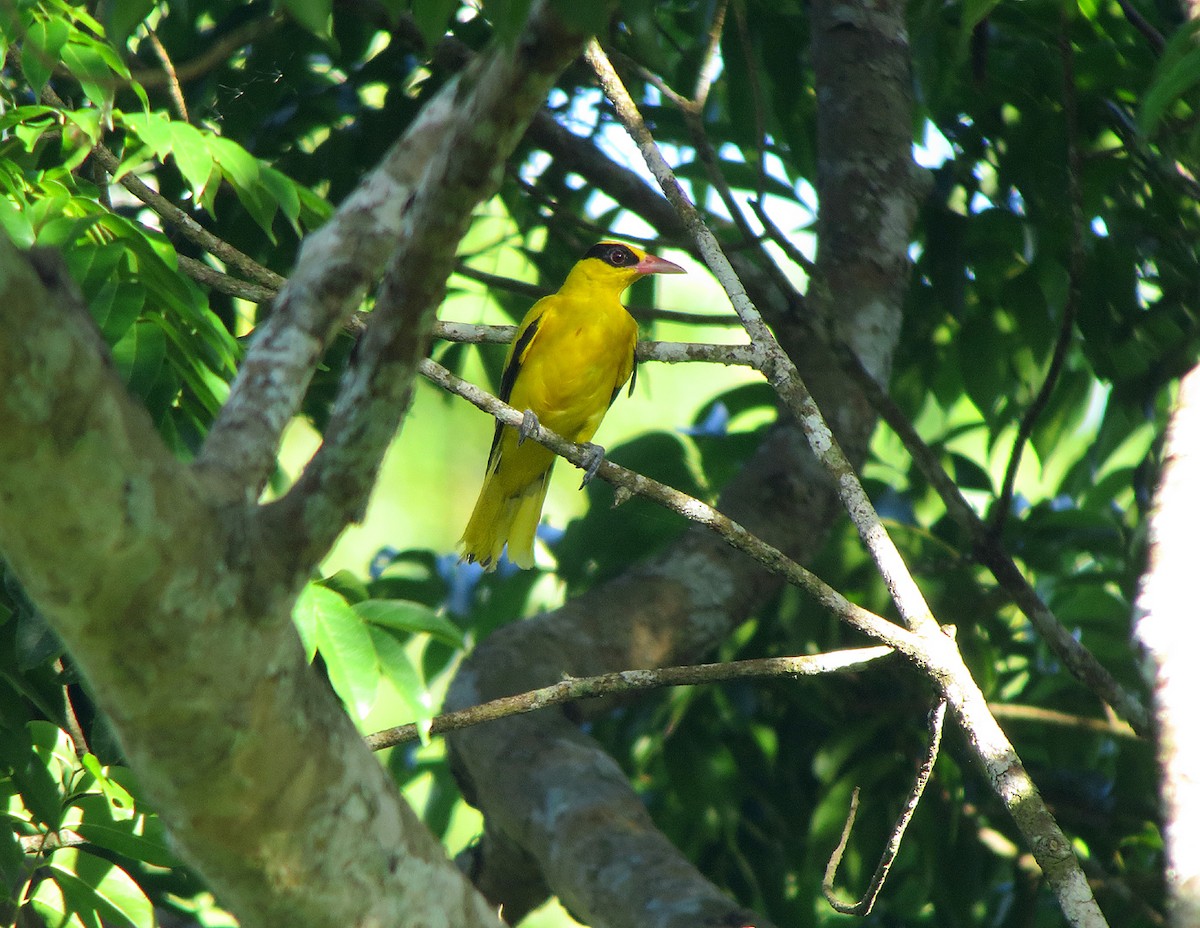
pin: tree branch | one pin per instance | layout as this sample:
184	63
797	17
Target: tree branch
631	681
1075	265
177	615
1166	629
866	902
691	508
779	369
470	129
188	227
213	56
666	352
224	283
940	658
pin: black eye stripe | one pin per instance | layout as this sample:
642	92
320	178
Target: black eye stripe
613	254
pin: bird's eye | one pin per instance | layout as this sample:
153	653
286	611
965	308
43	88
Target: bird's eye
617	257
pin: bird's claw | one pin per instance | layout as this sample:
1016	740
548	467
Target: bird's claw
529	425
593	457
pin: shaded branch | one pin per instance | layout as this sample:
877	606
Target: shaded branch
213	56
938	656
1075	265
779	369
466	133
630	483
224	283
630	681
866	902
1075	656
1165	627
667	352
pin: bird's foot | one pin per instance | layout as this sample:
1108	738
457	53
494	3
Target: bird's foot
529	425
593	457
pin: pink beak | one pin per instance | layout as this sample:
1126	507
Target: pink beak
651	264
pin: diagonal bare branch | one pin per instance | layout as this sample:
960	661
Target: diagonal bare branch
632	681
470	132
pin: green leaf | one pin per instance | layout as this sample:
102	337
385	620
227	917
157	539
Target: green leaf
53	909
15	224
98	891
119	803
403	615
112	822
39	788
314	15
304	617
116	307
398	669
282	190
152	128
192	156
240	168
88	66
587	18
120	19
347	585
41	51
140	356
345	645
433	18
507	16
150	848
1177	72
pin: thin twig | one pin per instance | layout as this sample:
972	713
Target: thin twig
1075	264
779	369
215	55
173	86
666	352
187	226
42	843
712	58
1022	713
70	717
224	283
776	234
630	681
1143	25
629	483
867	902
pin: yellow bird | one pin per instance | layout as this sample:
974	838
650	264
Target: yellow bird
572	354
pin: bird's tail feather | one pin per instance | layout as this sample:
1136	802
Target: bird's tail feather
525	520
498	518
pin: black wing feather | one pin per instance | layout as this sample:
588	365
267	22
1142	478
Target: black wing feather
509	377
632	380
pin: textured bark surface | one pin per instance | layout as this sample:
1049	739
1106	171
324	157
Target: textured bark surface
545	787
1166	629
173	591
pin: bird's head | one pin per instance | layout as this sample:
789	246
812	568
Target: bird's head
615	266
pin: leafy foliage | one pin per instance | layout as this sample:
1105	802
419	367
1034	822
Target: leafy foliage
1062	205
